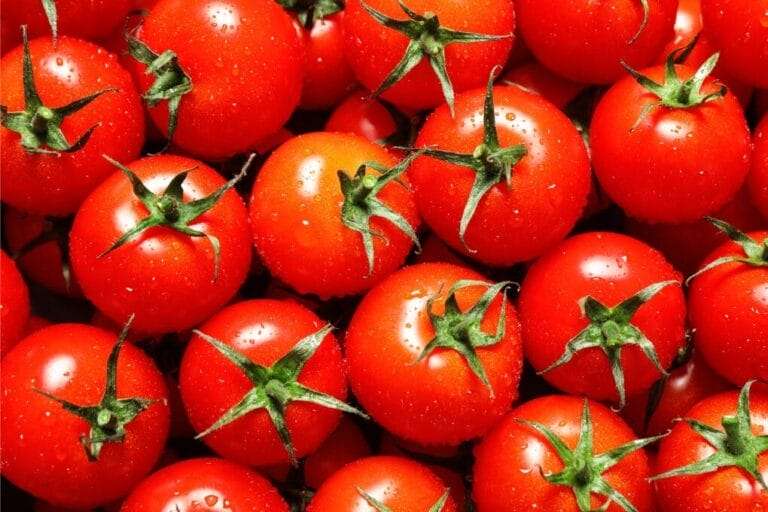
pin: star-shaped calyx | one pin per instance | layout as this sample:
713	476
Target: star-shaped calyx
755	253
39	125
109	418
308	12
380	507
583	469
611	329
274	387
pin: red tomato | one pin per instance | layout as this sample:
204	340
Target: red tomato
208	484
55	454
362	115
263	331
610	268
346	444
298	215
70	71
244	60
396	483
374	50
167	278
533	77
585	41
513	461
434	250
410	369
513	221
14	304
758	177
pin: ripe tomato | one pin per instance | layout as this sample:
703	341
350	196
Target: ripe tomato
244	61
516	463
362	115
170	279
612	351
585	41
204	484
374	51
72	70
14	304
533	77
758	177
382	483
52	381
434	354
311	234
260	414
346	444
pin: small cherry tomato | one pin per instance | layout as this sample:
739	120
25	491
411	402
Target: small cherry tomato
14	304
533	77
362	115
346	444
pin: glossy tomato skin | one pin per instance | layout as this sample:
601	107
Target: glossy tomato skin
374	50
549	184
534	77
14	304
205	484
572	39
728	308
725	490
346	444
758	176
610	268
675	165
509	459
362	115
399	483
73	69
437	401
42	450
264	331
244	58
295	213
165	277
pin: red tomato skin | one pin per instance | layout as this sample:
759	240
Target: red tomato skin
14	304
42	452
362	115
374	50
549	185
205	484
572	39
56	185
401	484
263	330
346	444
739	28
245	60
610	268
438	401
163	276
295	211
728	308
534	77
758	177
724	490
508	460
676	165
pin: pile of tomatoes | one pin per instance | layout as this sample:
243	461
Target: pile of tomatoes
384	255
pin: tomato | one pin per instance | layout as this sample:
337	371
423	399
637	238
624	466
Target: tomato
270	389
170	279
205	484
14	304
434	250
34	324
516	218
311	234
585	41
434	354
346	444
597	310
374	51
397	483
362	115
669	151
533	77
517	463
739	28
236	74
109	121
721	430
52	381
758	177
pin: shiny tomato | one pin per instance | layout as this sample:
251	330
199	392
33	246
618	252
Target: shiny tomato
758	177
533	77
362	115
55	453
14	304
346	444
429	357
170	279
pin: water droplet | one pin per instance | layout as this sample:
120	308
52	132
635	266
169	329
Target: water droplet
211	500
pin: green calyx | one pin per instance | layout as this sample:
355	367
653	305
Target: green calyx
56	230
49	6
643	23
736	445
427	40
461	331
583	469
40	126
755	253
361	203
276	386
308	12
109	418
169	209
380	507
610	329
